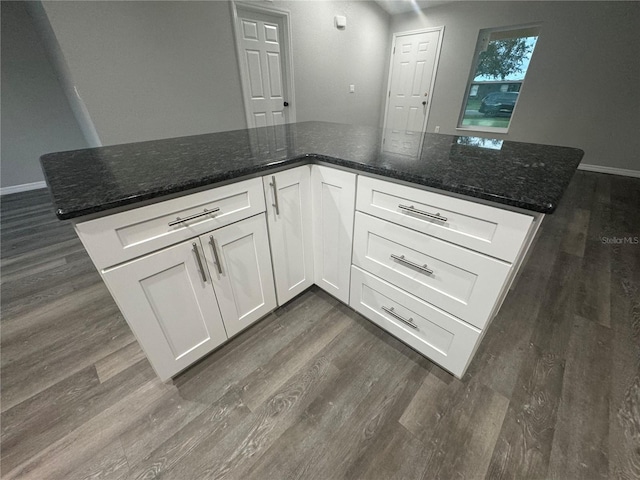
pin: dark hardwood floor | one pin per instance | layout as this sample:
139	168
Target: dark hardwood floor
315	391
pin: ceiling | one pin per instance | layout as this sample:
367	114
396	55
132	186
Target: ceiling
401	6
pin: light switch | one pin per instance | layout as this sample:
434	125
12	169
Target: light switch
341	22
352	88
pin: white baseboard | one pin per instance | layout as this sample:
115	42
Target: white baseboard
610	170
22	188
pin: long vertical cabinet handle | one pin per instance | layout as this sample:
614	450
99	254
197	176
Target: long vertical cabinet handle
215	254
200	266
275	194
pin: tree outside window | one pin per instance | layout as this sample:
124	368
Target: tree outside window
499	69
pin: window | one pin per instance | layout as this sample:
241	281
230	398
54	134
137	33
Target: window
497	75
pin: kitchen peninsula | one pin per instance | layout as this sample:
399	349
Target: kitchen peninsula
199	237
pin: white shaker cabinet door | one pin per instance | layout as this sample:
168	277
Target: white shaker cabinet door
333	201
239	261
169	304
288	196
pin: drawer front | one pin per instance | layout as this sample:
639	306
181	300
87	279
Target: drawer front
460	281
432	332
493	231
116	238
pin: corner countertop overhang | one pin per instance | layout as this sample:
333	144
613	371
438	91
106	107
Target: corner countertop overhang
525	175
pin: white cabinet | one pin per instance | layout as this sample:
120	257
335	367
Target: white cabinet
432	269
119	237
168	296
333	201
462	282
170	306
239	261
288	196
190	272
493	231
443	338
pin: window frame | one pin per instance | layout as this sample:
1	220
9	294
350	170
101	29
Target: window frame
472	74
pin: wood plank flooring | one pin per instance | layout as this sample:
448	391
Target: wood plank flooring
315	391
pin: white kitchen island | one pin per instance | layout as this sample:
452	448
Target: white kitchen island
191	269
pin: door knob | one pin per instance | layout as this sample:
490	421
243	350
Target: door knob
286	104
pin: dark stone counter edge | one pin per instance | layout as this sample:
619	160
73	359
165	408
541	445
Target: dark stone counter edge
309	158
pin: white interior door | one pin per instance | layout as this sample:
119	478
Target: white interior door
413	64
262	54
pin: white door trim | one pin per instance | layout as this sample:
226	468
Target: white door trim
287	63
433	75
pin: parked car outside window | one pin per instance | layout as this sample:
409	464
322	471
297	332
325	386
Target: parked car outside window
498	103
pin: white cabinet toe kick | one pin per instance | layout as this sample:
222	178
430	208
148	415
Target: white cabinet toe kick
192	272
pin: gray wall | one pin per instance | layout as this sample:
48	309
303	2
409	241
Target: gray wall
327	60
583	84
36	117
149	70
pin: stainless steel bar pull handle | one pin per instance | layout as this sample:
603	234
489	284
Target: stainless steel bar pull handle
422	268
215	254
393	313
200	266
195	215
433	216
275	194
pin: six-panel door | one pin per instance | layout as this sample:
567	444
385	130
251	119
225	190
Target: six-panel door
262	50
288	196
239	261
170	306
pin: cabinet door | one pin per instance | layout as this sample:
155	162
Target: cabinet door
239	261
333	199
170	306
288	196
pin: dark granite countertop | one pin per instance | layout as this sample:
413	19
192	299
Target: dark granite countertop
525	175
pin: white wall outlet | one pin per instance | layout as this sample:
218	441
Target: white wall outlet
437	129
352	88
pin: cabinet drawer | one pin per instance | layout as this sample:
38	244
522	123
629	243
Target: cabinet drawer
460	281
493	231
432	332
116	238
